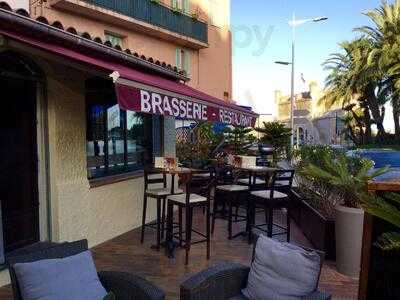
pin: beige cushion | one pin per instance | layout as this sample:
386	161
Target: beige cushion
202	175
232	188
194	198
246	181
267	194
162	191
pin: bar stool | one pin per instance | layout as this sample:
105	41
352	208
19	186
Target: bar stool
187	202
156	177
271	199
231	195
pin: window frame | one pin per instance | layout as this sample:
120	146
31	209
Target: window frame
115	36
104	99
182	5
183	60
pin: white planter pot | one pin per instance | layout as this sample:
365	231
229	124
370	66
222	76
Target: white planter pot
349	232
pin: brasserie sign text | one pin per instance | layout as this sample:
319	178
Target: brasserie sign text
159	104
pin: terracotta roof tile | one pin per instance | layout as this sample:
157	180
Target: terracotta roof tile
57	24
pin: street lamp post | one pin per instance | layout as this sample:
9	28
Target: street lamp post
295	23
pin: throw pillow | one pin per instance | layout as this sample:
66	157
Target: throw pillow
73	278
282	271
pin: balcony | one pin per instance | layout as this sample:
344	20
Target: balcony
144	16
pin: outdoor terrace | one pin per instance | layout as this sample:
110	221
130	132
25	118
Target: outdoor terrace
125	253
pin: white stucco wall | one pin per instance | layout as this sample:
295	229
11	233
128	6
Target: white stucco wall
79	211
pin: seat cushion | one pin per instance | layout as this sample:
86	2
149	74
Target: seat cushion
162	191
232	188
201	175
267	194
246	181
194	198
282	271
74	277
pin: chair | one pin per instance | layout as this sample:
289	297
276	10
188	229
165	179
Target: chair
187	202
155	177
271	199
125	286
225	281
231	195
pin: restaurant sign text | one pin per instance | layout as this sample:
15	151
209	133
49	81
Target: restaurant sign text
145	101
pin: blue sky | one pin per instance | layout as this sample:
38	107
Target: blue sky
255	76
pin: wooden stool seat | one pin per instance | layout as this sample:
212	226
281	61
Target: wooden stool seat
246	181
181	199
232	188
162	192
270	195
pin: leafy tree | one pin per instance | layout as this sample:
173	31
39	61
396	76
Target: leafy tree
278	136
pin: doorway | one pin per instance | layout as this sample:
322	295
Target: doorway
19	194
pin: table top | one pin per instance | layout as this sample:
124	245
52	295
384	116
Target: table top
178	170
257	169
384	186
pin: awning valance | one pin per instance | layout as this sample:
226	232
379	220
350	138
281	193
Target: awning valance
140	91
179	101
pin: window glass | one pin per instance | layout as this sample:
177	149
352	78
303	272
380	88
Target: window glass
128	135
216	13
95	138
183	60
183	5
116	139
114	39
139	141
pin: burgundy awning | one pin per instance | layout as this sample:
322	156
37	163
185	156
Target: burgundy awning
179	100
149	93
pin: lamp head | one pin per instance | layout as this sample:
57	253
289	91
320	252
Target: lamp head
285	63
320	19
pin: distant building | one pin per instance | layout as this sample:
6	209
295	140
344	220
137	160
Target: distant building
314	122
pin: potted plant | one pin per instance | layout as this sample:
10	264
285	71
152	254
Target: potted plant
278	136
313	202
349	177
195	14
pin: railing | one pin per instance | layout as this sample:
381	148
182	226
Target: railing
158	15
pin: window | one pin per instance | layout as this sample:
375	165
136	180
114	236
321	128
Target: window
117	141
183	5
183	60
116	40
216	13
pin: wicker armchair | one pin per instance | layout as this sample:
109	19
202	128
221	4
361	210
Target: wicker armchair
125	286
225	281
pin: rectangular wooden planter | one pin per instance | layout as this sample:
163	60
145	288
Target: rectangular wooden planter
320	231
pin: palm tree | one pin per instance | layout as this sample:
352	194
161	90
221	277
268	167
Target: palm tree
352	79
239	139
385	53
278	136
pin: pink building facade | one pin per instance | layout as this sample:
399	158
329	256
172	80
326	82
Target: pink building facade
207	61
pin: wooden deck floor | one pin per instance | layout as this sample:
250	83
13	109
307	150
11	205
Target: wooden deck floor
125	253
